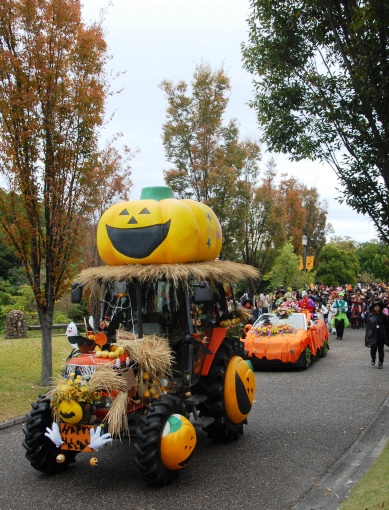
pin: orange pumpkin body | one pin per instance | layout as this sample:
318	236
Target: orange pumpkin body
239	389
177	442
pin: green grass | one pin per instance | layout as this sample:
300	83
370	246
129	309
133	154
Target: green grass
372	491
20	372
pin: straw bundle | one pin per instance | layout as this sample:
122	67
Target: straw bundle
106	379
153	356
244	314
117	416
212	271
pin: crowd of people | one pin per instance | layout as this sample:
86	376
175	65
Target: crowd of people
340	307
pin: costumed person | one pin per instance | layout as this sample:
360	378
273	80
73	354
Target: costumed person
377	332
248	306
339	319
306	302
279	299
347	297
357	309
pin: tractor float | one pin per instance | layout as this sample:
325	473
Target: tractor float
161	355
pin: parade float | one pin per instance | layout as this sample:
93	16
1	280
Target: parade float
161	355
290	336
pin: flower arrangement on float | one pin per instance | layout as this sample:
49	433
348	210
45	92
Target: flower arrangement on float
286	309
273	329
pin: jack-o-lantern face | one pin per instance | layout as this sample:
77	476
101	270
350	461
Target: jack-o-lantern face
158	231
178	442
70	412
239	389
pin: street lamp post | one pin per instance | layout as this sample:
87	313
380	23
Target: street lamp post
304	241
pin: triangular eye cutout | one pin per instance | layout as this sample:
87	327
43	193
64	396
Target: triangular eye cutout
145	211
124	213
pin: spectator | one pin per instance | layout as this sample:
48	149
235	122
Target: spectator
259	310
265	298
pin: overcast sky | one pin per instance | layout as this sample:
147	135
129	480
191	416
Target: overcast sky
154	40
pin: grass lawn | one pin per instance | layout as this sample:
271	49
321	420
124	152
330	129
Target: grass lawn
20	372
372	492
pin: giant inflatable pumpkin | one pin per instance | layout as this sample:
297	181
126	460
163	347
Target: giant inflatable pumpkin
158	229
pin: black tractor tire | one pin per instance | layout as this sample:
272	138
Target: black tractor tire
148	435
41	451
212	385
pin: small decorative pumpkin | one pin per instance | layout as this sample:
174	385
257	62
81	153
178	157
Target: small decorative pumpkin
239	389
178	442
70	411
158	229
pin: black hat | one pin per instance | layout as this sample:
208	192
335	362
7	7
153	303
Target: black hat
247	301
280	290
377	302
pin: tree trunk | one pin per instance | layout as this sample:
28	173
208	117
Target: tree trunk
46	321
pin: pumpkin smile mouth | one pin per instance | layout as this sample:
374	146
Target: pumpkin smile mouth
138	243
185	462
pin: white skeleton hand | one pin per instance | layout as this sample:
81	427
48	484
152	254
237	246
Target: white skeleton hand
54	434
96	440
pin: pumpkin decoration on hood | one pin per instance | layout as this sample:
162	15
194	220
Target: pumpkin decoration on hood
158	229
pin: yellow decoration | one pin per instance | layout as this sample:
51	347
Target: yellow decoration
177	442
70	411
93	461
239	389
163	231
310	263
60	458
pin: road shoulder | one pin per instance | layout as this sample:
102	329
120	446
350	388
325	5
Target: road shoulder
337	483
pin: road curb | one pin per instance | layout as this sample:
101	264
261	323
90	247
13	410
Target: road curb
336	485
11	423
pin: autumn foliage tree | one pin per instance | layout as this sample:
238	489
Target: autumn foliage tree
53	89
210	164
305	214
282	211
265	229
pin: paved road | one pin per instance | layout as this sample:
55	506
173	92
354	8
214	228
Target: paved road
298	440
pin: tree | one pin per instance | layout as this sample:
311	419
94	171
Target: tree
305	215
285	271
374	259
53	89
344	243
337	267
321	70
265	232
210	164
